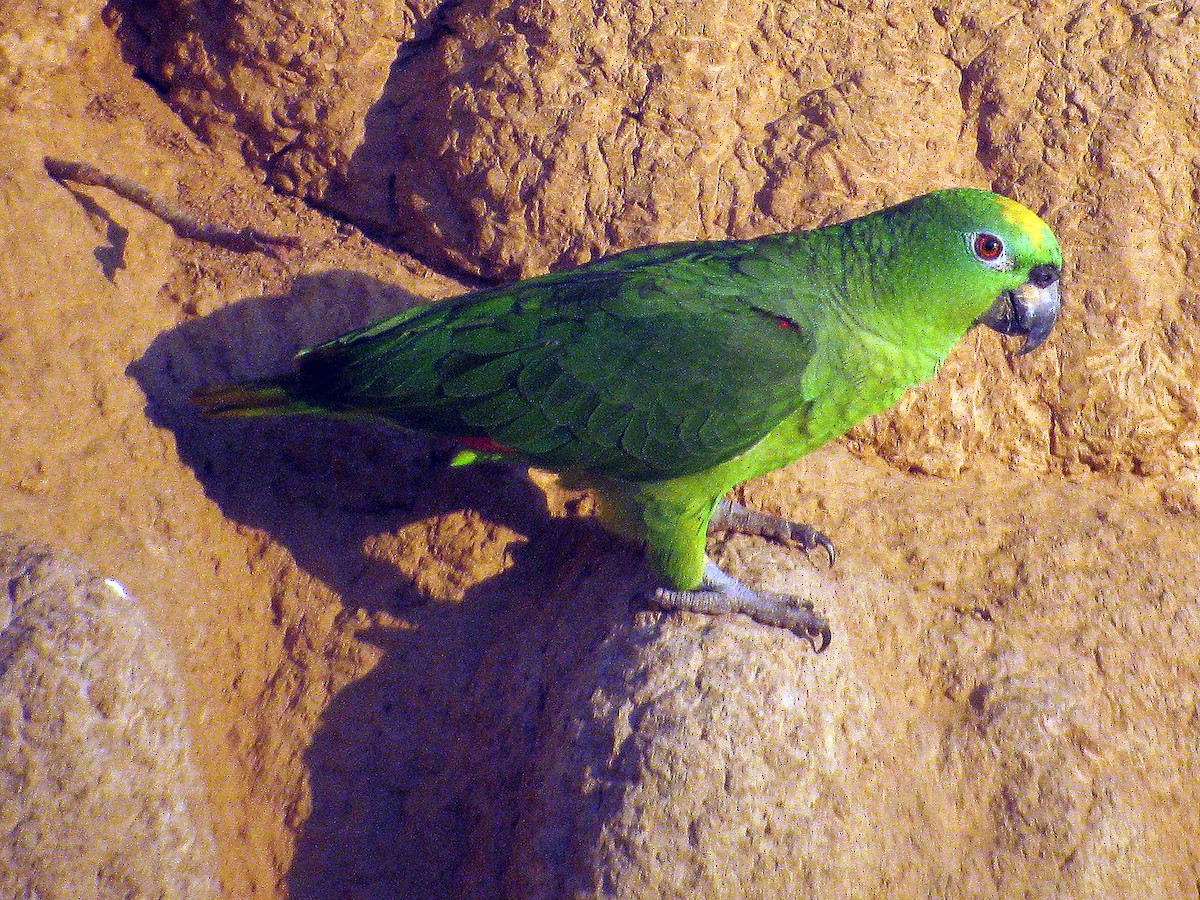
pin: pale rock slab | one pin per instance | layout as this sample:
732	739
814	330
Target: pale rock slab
99	793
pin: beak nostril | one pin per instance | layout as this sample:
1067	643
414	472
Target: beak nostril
1043	276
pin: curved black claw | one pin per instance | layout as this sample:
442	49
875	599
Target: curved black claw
797	616
826	637
808	539
824	634
731	515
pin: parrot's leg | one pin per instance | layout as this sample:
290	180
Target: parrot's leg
731	516
722	593
675	536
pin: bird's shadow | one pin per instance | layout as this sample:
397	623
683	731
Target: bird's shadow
420	761
320	487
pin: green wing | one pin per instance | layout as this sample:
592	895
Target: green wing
652	364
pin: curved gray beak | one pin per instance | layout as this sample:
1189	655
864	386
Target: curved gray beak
1029	311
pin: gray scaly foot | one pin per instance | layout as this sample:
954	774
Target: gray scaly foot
722	593
731	516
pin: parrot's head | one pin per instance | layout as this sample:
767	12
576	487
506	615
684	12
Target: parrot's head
985	260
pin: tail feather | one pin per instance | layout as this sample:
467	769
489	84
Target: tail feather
261	397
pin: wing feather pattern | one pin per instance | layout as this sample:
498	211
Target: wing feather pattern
649	365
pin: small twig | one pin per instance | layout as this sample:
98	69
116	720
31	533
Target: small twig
245	240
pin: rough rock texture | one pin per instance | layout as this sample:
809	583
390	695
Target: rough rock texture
288	84
571	131
30	49
516	136
417	682
972	717
99	794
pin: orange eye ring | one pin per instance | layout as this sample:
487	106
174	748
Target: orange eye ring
988	247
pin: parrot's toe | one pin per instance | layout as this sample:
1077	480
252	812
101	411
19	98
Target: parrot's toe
808	539
732	516
777	610
796	615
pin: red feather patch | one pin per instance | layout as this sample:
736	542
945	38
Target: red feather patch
482	445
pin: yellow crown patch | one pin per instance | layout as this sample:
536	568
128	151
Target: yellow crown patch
1027	220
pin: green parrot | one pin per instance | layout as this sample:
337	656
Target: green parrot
661	378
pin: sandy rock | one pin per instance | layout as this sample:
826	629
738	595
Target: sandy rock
38	39
937	749
88	283
522	136
285	84
99	794
415	682
1087	113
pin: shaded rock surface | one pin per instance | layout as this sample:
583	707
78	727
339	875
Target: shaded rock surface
99	793
420	682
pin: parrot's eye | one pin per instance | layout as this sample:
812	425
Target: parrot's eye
988	248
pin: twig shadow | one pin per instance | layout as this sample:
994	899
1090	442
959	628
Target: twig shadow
110	256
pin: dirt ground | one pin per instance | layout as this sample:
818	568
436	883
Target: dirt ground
403	680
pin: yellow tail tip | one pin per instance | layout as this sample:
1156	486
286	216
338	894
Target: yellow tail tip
267	397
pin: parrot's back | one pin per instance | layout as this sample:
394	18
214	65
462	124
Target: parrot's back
647	365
